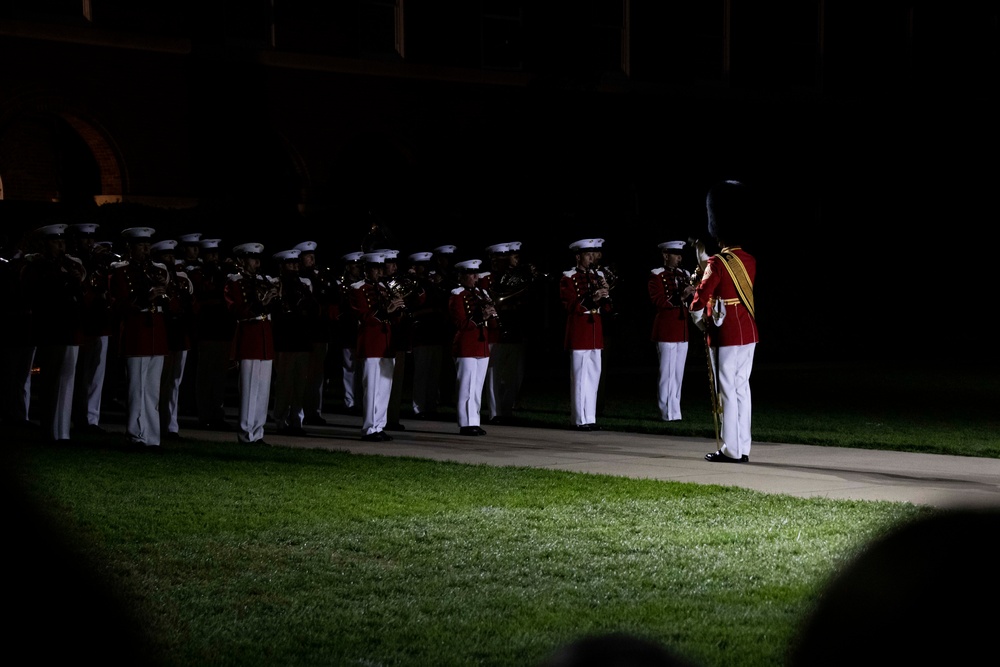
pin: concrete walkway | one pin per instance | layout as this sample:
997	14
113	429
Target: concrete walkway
797	470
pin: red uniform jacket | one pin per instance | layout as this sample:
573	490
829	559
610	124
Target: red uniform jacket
56	300
212	320
584	329
485	283
375	323
670	324
472	330
254	337
429	321
738	327
142	327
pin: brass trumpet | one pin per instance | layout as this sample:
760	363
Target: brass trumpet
485	307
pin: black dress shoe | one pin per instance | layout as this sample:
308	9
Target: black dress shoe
372	437
172	435
314	421
583	427
471	430
594	427
480	431
718	457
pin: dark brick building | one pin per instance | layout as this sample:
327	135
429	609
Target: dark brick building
477	121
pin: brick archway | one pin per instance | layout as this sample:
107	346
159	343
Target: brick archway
109	162
40	137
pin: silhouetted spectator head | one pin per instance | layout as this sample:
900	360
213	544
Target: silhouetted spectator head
731	212
922	594
614	650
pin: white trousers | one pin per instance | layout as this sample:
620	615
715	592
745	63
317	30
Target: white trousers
470	375
672	358
504	378
315	376
289	390
348	370
142	406
90	371
210	380
426	395
733	366
17	374
170	388
255	392
58	368
584	378
396	397
376	386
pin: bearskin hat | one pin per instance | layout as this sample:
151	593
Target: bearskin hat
730	211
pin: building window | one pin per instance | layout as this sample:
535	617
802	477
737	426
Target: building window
710	39
502	35
611	33
381	29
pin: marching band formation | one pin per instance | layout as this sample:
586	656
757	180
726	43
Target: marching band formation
283	323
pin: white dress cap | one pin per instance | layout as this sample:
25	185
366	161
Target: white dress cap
209	243
389	254
498	248
84	228
306	246
247	249
285	255
52	231
584	244
189	239
515	246
469	265
138	232
160	246
373	258
421	257
445	250
671	245
352	256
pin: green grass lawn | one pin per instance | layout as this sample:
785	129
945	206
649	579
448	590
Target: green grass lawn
234	555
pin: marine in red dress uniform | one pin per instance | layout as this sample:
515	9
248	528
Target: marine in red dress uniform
53	282
429	325
377	312
346	330
251	296
319	328
583	291
474	317
179	312
669	291
138	290
91	365
734	340
293	342
213	335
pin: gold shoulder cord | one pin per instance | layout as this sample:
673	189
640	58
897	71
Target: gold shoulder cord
744	287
